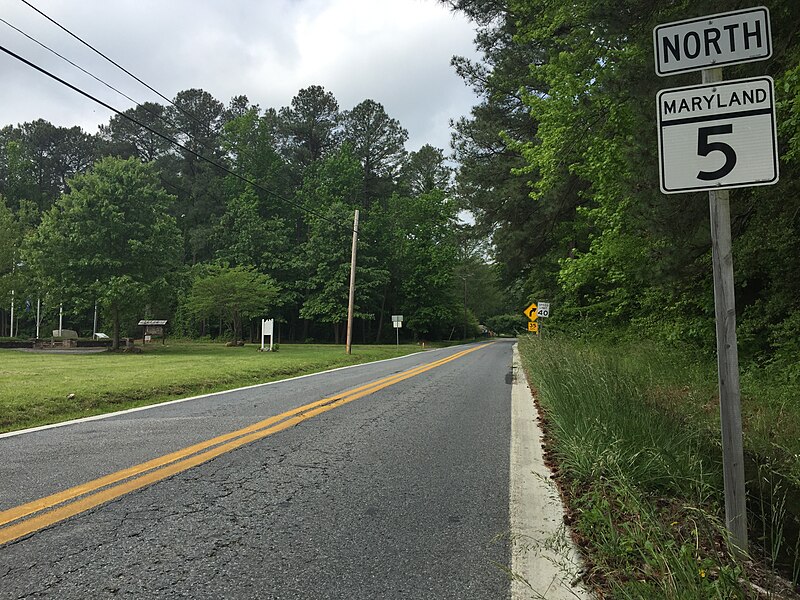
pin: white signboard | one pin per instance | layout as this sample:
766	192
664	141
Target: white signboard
543	310
397	324
397	318
267	326
712	41
719	135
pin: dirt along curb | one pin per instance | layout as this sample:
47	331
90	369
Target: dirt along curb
544	561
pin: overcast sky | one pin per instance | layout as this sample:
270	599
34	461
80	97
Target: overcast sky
396	52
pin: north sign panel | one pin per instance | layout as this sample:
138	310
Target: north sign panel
717	136
712	41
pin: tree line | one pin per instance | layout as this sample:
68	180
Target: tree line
559	165
147	229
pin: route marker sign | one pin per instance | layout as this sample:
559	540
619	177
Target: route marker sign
397	323
717	136
530	312
543	310
712	137
533	327
712	41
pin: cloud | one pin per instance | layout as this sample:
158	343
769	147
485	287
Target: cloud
396	52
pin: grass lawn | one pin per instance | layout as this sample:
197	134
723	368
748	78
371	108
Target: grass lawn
34	388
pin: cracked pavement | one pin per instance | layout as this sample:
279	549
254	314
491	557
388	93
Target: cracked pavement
401	494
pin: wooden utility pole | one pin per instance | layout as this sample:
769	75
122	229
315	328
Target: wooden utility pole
727	359
351	302
11	331
465	307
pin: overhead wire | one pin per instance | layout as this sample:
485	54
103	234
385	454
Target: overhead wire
113	62
123	69
144	107
92	75
173	141
160	117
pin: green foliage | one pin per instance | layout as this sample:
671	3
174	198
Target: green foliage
311	125
425	171
307	156
127	139
424	250
333	186
108	240
37	159
513	324
559	166
9	243
232	294
378	142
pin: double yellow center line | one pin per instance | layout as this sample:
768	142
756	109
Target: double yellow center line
30	517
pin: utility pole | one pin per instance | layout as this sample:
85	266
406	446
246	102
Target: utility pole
351	301
465	307
11	332
464	277
13	269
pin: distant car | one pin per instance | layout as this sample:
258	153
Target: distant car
101	336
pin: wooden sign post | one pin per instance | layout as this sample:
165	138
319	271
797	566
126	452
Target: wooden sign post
713	137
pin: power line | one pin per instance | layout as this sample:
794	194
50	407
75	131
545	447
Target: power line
93	76
120	67
144	107
172	141
180	109
160	117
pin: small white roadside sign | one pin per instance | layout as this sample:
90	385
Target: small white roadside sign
543	309
397	322
712	41
716	136
267	329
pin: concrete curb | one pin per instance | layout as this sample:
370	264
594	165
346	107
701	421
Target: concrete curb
544	561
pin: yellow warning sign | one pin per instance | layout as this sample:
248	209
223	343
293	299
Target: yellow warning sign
530	312
533	327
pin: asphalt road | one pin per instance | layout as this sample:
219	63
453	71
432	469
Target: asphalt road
402	493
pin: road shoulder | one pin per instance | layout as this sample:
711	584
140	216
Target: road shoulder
544	561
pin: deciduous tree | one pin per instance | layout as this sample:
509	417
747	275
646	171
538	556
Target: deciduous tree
233	294
109	238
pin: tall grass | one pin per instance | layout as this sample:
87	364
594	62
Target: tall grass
640	471
597	405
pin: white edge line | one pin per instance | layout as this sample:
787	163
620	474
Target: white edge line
179	400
